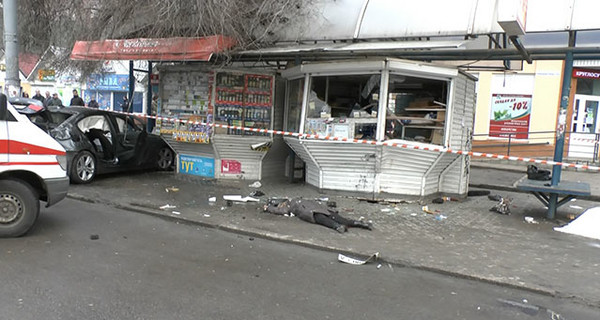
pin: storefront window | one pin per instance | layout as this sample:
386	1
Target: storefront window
295	91
343	106
416	109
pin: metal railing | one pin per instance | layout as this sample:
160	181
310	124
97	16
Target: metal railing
580	147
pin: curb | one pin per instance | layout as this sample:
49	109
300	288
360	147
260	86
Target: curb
276	237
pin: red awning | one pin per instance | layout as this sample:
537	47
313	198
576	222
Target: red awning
167	49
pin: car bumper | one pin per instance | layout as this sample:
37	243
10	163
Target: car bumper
57	189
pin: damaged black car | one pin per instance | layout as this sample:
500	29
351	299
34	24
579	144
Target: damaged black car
100	141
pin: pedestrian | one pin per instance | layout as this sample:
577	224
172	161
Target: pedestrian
25	95
39	96
76	100
47	98
315	212
125	104
55	101
93	104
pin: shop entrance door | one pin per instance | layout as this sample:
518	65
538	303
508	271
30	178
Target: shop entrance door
585	129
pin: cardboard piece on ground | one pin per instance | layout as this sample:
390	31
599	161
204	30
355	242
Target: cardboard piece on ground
586	225
239	198
354	261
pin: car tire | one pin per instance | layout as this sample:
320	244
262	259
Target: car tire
165	158
84	168
19	208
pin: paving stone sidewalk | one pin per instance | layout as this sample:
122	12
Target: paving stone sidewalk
464	239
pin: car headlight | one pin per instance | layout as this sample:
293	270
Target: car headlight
62	161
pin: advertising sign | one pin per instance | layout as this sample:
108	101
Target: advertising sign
231	166
197	166
510	114
46	75
109	82
586	74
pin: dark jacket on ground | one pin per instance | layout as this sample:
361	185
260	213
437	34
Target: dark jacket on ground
302	208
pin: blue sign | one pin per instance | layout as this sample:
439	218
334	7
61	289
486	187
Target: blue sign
198	166
108	82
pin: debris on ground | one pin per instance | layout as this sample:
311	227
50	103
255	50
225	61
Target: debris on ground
94	237
331	204
529	219
207	215
176	212
477	193
212	199
495	197
256	184
239	198
440	217
257	193
429	211
502	207
172	189
443	199
386	201
357	261
323	199
576	207
586	225
167	207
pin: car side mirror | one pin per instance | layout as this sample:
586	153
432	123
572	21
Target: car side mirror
3	106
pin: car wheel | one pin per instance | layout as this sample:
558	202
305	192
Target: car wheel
84	168
19	208
165	158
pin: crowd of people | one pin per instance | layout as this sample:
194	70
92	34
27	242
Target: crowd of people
54	99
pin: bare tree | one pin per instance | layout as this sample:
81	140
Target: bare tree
47	24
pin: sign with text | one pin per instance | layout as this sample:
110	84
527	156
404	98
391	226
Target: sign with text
231	166
46	75
197	166
510	115
586	74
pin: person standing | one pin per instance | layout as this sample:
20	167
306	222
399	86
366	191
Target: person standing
125	104
39	96
55	101
76	100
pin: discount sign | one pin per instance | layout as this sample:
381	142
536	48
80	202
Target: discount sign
510	115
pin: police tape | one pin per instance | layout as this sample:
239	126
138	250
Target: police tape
373	142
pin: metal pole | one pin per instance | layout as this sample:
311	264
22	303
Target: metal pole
560	131
11	46
509	140
150	123
131	86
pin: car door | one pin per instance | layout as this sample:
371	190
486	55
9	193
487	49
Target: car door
130	139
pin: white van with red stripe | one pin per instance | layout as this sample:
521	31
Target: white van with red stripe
32	168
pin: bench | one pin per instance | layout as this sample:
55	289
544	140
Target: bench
548	194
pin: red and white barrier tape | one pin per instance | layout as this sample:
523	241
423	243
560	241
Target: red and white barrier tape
378	143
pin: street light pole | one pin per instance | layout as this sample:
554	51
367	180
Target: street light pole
11	46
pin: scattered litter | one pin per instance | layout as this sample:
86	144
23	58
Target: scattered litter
176	212
229	203
530	220
212	199
331	204
167	207
207	215
502	207
355	261
427	210
257	193
256	184
323	199
379	266
94	237
477	193
413	214
443	199
586	225
239	198
394	201
386	210
172	189
495	197
440	217
576	207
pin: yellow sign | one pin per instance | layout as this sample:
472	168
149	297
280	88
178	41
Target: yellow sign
46	75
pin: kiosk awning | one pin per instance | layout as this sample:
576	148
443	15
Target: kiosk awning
163	49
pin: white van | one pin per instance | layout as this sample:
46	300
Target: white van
32	168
